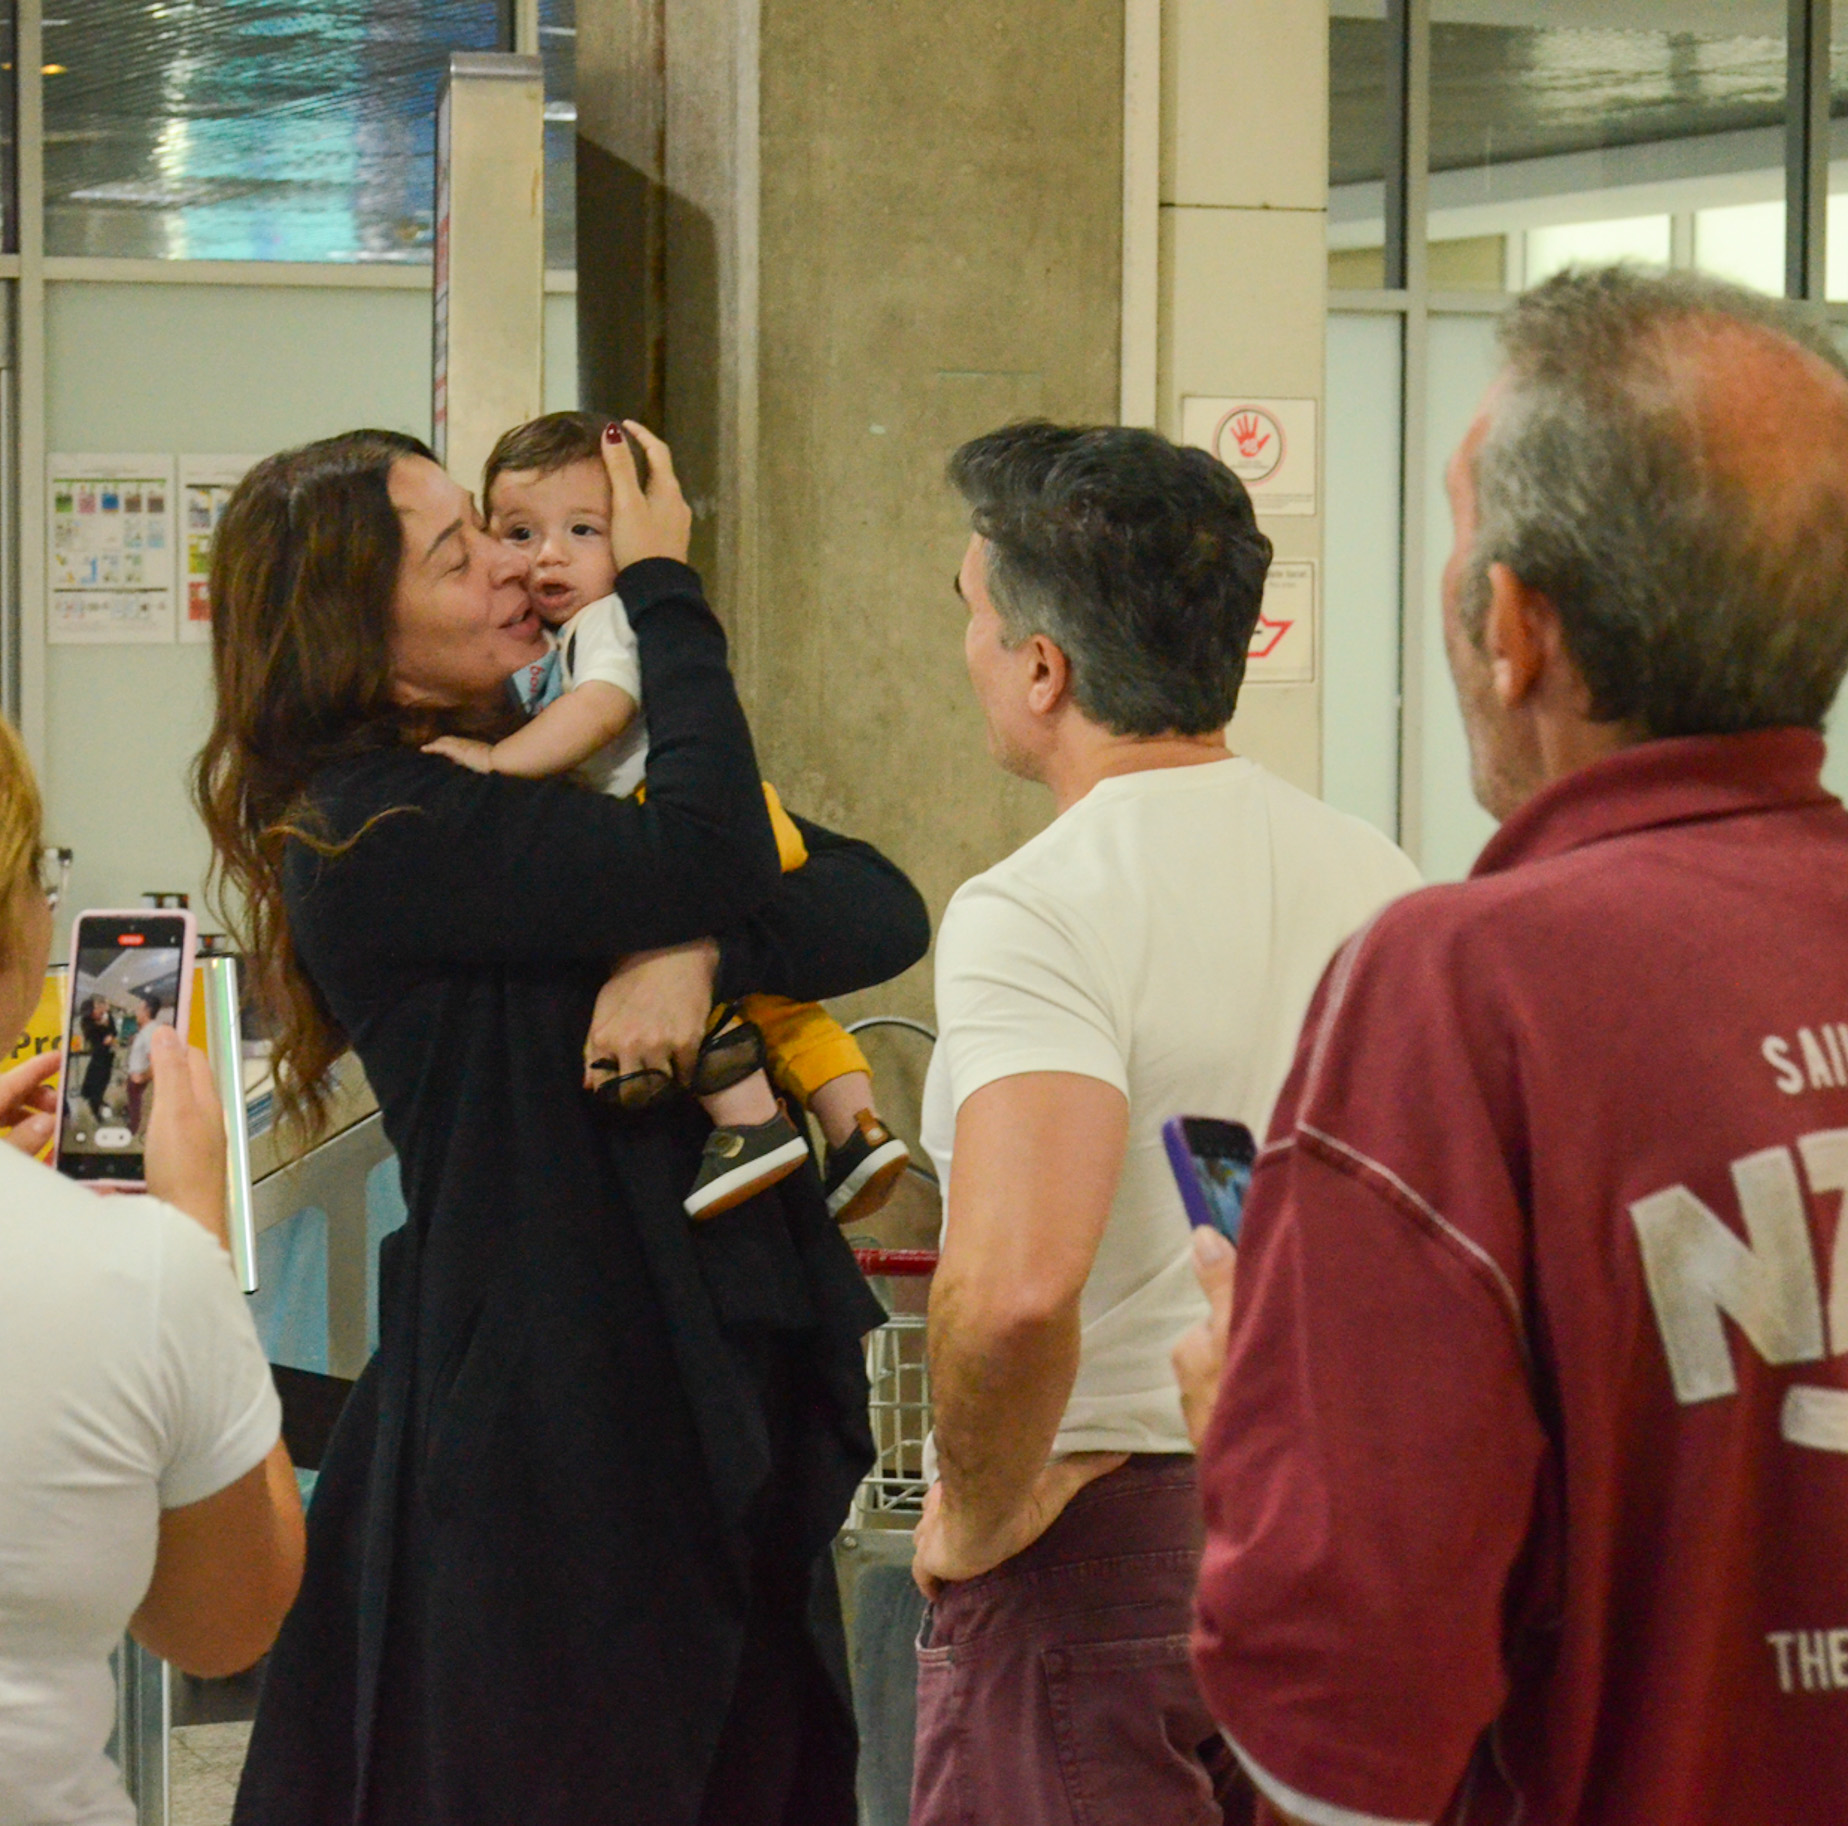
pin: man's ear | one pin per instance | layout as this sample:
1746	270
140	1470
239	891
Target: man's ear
1520	636
1050	676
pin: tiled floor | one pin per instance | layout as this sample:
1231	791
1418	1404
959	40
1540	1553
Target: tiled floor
206	1760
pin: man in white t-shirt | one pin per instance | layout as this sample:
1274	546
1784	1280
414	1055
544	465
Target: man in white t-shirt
1150	954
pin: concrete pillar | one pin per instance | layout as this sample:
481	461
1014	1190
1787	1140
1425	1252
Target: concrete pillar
489	292
1241	291
821	242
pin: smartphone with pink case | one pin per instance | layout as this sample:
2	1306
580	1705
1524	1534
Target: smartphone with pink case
131	972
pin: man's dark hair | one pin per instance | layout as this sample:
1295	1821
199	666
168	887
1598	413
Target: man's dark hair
1694	597
545	446
150	1001
1139	559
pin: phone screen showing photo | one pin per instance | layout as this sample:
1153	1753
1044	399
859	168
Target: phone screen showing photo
1212	1161
126	983
1225	1181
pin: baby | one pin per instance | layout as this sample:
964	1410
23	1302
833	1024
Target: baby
545	490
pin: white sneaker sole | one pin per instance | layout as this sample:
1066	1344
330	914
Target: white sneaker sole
746	1179
874	1177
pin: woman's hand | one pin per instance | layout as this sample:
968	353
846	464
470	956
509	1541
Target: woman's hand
651	523
186	1133
653	1013
29	1101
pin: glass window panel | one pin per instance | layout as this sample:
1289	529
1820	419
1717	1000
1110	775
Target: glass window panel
1835	768
1743	242
558	46
1464	358
248	129
1470	263
1360	588
1357	136
1835	281
1647	238
1584	127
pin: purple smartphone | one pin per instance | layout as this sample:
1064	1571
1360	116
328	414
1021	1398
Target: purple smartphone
1212	1163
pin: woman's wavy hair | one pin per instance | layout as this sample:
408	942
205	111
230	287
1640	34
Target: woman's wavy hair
304	571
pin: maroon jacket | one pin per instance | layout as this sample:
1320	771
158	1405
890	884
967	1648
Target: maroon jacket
1527	1492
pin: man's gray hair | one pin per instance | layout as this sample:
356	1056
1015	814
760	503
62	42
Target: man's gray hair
1692	599
1139	559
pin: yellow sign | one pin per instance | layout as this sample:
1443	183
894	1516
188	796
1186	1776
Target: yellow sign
46	1027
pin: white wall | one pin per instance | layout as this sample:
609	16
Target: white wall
1244	266
198	369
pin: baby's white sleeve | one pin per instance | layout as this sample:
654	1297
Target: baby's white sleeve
601	645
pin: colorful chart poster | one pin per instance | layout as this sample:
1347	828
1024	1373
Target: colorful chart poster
206	483
111	546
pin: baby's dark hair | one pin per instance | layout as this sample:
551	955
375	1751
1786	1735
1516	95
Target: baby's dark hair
544	445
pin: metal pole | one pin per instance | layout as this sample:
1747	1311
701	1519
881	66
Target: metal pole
1408	141
1408	186
1806	151
26	690
524	40
224	1043
144	1724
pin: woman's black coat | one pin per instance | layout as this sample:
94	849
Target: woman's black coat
591	1428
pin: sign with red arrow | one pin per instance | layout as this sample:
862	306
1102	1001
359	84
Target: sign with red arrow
1282	650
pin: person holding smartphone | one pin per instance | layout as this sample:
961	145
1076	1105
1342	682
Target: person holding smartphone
143	1482
570	1552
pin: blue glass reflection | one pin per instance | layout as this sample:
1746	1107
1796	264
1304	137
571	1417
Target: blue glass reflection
258	129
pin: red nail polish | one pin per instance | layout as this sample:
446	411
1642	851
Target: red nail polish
613	432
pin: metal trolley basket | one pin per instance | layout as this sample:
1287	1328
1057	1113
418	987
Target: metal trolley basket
898	1377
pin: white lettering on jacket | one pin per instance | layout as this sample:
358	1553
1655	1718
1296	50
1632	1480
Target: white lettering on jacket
1697	1268
1816	1060
1810	1660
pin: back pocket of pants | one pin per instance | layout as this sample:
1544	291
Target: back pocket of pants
1128	1722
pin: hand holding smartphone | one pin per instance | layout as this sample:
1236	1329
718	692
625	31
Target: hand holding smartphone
131	974
1212	1162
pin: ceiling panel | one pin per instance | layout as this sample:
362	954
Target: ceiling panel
260	129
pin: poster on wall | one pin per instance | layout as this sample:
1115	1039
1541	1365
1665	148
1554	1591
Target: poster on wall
111	545
206	483
1269	444
1282	650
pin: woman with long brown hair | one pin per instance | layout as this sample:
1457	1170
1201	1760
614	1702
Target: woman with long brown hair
568	1553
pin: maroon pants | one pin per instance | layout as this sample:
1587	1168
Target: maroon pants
1056	1690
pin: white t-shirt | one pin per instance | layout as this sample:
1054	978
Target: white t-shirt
131	1381
141	1047
598	643
1164	935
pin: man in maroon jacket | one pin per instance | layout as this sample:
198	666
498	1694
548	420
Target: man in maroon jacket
1527	1484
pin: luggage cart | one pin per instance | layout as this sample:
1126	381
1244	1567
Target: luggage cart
873	1553
898	1390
